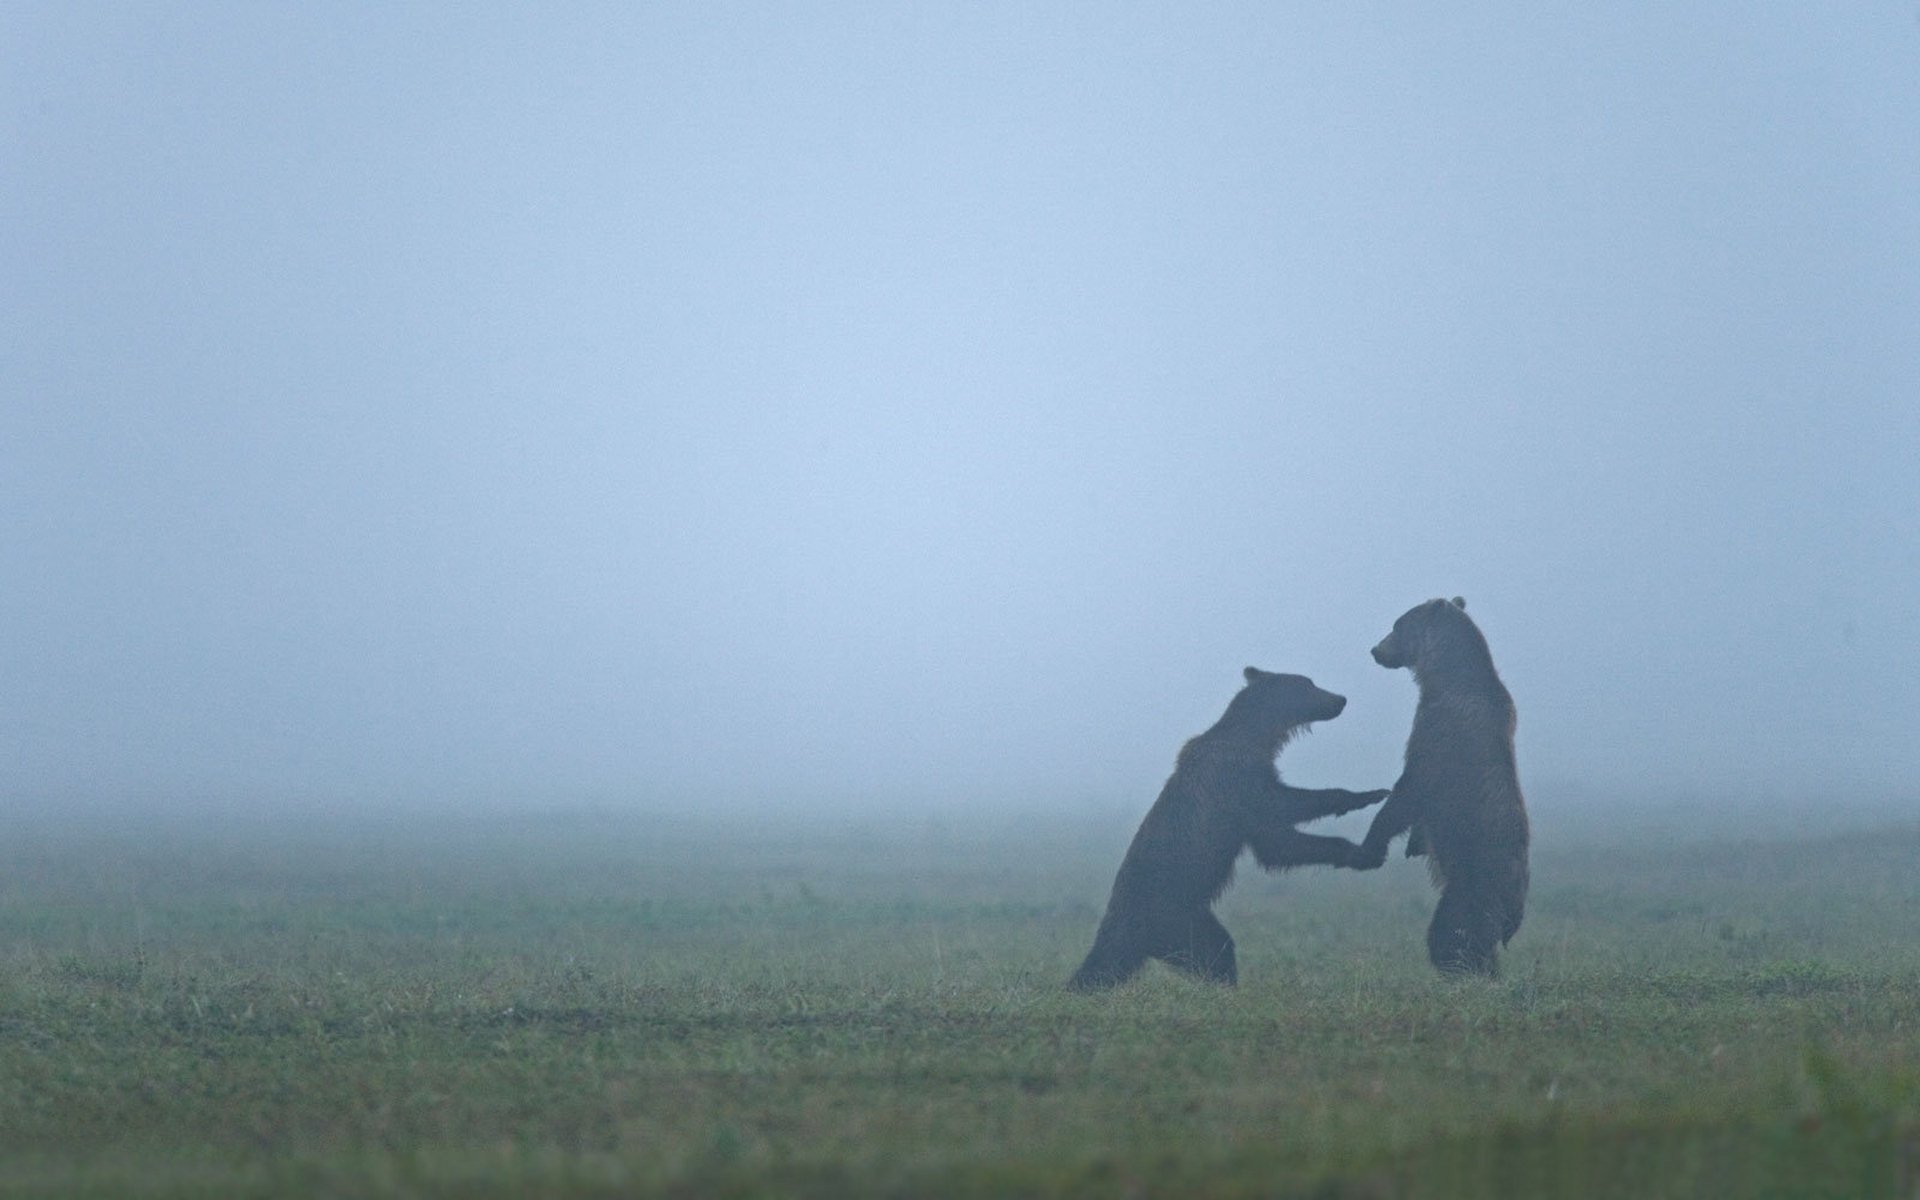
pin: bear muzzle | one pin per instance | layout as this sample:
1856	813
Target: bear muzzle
1331	705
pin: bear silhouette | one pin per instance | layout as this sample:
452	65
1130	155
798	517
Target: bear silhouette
1225	795
1459	793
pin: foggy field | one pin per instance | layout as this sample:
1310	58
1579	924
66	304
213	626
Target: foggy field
431	433
589	1004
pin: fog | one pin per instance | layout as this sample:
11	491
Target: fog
936	406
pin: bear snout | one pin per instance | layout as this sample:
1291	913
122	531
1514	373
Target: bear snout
1385	654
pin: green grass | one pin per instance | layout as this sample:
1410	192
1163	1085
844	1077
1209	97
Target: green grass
601	1005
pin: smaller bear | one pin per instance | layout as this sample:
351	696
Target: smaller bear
1224	795
1460	792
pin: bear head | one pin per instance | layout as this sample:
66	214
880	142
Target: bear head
1417	628
1276	701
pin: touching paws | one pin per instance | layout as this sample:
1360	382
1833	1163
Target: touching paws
1366	799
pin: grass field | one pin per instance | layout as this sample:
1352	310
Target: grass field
593	1004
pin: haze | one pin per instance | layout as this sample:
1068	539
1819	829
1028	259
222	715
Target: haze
933	406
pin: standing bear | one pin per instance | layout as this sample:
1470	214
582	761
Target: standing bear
1460	792
1225	794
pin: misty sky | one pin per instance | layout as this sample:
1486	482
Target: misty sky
938	404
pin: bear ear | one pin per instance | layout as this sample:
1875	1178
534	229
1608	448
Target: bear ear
1252	673
1460	602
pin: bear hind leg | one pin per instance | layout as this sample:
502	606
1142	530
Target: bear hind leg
1114	959
1464	938
1198	944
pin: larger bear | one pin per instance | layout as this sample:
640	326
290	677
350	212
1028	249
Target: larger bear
1224	796
1460	791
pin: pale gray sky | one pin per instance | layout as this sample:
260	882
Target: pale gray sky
927	404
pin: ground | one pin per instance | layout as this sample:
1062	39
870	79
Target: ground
598	1004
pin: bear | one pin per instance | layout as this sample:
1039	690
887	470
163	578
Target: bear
1458	797
1224	795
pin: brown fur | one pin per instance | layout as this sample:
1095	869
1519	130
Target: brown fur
1460	791
1224	795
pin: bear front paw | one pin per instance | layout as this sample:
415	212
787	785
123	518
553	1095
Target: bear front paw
1367	799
